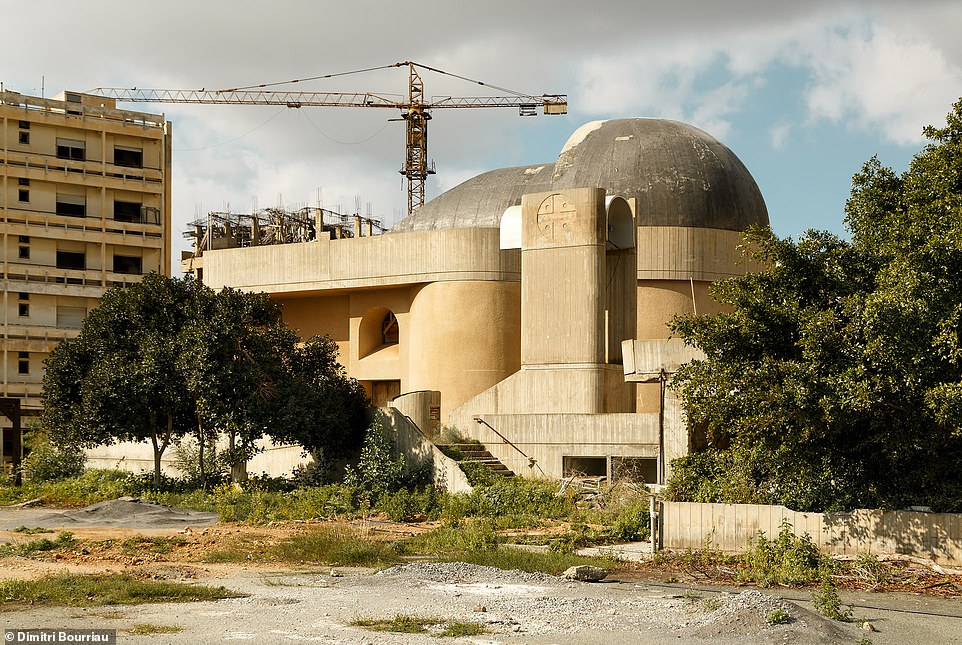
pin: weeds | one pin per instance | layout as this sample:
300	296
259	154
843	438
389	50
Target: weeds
868	569
87	591
147	629
33	531
779	617
63	540
325	545
828	603
402	624
786	560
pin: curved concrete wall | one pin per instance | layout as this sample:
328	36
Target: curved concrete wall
464	338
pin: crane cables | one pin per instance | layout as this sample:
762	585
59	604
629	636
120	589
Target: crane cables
380	67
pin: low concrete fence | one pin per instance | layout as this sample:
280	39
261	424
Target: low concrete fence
733	527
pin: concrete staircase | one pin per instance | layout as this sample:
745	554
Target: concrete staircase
477	453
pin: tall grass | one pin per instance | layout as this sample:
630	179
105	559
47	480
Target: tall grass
92	590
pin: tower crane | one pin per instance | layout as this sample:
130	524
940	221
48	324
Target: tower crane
415	111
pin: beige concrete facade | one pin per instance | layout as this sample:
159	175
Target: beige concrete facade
85	206
534	300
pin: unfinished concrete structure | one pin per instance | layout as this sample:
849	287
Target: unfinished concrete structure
527	307
84	205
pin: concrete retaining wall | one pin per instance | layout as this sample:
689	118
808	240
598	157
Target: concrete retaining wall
733	527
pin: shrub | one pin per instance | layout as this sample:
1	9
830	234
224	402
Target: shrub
787	560
827	602
49	462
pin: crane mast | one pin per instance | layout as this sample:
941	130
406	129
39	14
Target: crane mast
415	110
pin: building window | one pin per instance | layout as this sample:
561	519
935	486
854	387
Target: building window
23	252
128	264
71	149
25	239
23	309
389	329
128	157
127	211
23	295
25	138
71	260
23	181
70	317
23	362
72	205
25	125
23	195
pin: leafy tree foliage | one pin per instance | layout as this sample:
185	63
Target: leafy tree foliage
167	357
834	381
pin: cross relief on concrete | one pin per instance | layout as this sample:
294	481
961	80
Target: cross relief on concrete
554	217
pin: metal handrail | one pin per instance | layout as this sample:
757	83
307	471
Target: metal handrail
532	462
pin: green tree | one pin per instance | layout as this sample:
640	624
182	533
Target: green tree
835	378
320	408
120	380
168	357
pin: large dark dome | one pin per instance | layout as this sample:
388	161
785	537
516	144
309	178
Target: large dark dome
680	176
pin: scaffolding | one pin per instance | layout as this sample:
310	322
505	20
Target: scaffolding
229	230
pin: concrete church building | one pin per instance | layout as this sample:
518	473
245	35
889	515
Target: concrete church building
527	307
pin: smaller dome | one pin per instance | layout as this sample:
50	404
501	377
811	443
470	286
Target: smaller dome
480	201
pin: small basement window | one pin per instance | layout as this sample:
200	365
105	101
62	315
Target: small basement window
71	149
24	125
23	181
584	466
72	205
128	264
642	470
71	260
128	157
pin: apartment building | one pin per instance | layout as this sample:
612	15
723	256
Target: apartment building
84	206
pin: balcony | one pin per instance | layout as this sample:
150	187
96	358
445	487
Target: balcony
86	229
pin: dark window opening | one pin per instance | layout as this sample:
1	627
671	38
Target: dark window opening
641	470
23	181
71	260
584	466
389	329
71	205
128	157
127	211
25	138
24	239
25	125
23	309
128	264
23	252
23	362
68	149
23	295
23	195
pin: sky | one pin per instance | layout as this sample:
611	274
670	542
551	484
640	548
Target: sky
803	92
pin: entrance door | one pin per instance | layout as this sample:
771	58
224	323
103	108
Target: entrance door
384	391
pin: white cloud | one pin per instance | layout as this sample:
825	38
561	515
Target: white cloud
778	135
877	79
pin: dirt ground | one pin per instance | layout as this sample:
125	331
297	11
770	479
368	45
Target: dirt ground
681	601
